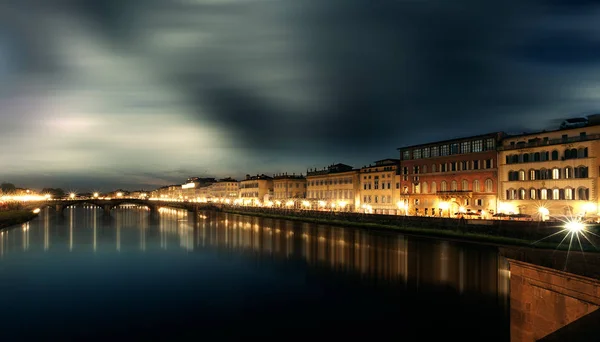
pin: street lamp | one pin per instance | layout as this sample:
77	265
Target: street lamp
445	206
71	195
95	195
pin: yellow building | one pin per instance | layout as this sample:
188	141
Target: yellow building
289	187
377	187
336	187
552	173
225	189
255	190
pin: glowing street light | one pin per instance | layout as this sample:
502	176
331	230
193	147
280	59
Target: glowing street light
96	195
71	195
445	206
575	226
544	212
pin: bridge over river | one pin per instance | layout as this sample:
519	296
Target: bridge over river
107	205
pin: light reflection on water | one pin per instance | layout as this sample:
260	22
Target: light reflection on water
325	266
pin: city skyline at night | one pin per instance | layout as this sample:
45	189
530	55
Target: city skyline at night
114	94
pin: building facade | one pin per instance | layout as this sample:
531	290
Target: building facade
256	190
287	187
552	173
450	178
225	189
378	185
336	187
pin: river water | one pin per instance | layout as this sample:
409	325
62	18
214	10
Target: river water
178	276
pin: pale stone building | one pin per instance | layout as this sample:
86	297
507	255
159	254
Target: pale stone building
289	187
550	173
256	190
377	187
336	187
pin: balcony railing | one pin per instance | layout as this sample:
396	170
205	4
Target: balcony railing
548	142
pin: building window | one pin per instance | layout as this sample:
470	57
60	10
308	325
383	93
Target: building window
406	155
433	188
568	172
475	164
490	144
432	167
443	186
465	147
568	194
555	173
454	185
453	166
477	145
532	194
521	194
555	194
581	172
435	151
521	175
532	174
444	150
425	187
536	157
488	185
476	186
398	185
555	155
479	202
489	163
583	194
417	154
464	185
454	148
426	152
543	194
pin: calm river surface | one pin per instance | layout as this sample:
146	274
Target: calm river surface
220	276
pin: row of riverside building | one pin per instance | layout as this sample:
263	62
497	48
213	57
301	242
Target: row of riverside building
542	174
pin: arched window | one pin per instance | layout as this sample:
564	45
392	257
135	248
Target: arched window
433	188
465	185
425	187
443	186
555	155
432	167
508	159
555	173
532	193
581	172
543	194
536	156
545	155
568	154
583	194
489	185
543	174
510	194
522	194
585	152
515	158
555	194
573	153
532	174
453	186
568	172
424	168
476	187
568	193
526	158
521	175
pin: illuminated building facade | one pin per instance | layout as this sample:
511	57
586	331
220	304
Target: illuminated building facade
226	188
256	189
378	185
336	187
551	173
196	187
449	177
289	186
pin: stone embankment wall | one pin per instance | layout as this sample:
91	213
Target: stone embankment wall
527	230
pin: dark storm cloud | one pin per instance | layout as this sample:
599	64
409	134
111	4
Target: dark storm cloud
280	85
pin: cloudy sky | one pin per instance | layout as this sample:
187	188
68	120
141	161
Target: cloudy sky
99	94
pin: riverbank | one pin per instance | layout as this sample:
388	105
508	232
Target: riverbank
449	231
13	217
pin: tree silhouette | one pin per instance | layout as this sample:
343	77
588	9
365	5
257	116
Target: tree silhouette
7	188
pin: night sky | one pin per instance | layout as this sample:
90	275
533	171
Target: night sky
143	93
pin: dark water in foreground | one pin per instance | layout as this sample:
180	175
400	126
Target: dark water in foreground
231	277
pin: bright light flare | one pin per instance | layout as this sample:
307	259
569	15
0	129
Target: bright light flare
575	226
36	210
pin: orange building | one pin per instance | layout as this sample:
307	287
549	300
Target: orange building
450	177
